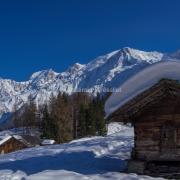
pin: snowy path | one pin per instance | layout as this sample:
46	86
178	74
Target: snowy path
88	158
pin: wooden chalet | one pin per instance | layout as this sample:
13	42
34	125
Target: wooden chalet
155	115
12	143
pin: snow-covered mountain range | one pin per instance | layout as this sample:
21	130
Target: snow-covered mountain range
107	71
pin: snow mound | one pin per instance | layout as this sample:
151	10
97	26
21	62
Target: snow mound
95	158
48	142
117	127
81	159
141	82
67	175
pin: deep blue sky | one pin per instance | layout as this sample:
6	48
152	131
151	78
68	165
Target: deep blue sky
43	34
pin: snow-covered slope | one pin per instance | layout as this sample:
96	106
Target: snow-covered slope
108	71
138	83
95	158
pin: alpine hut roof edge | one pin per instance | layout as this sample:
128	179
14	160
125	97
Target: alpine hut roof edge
134	106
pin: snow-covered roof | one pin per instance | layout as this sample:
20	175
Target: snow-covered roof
18	137
5	139
8	137
141	82
48	141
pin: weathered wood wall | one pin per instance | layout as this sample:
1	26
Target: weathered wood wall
148	131
11	145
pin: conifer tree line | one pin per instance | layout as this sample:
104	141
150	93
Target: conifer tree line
65	117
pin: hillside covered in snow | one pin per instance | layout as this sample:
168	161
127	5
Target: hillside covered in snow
95	158
107	71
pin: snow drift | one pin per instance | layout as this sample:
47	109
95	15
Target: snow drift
142	81
95	158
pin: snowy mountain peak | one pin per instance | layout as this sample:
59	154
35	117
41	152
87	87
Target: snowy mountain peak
107	71
150	57
109	55
43	74
76	67
127	49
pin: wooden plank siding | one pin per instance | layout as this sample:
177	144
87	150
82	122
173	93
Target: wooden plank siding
11	145
155	115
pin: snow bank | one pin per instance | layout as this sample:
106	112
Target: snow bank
95	158
10	175
142	81
68	175
48	142
88	158
120	128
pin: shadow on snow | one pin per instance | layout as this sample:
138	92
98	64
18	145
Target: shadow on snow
79	162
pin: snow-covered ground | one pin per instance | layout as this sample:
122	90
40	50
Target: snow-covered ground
92	158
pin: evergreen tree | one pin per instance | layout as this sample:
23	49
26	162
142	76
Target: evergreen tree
75	106
63	117
91	120
100	121
28	116
82	121
67	117
48	125
31	113
80	103
15	118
